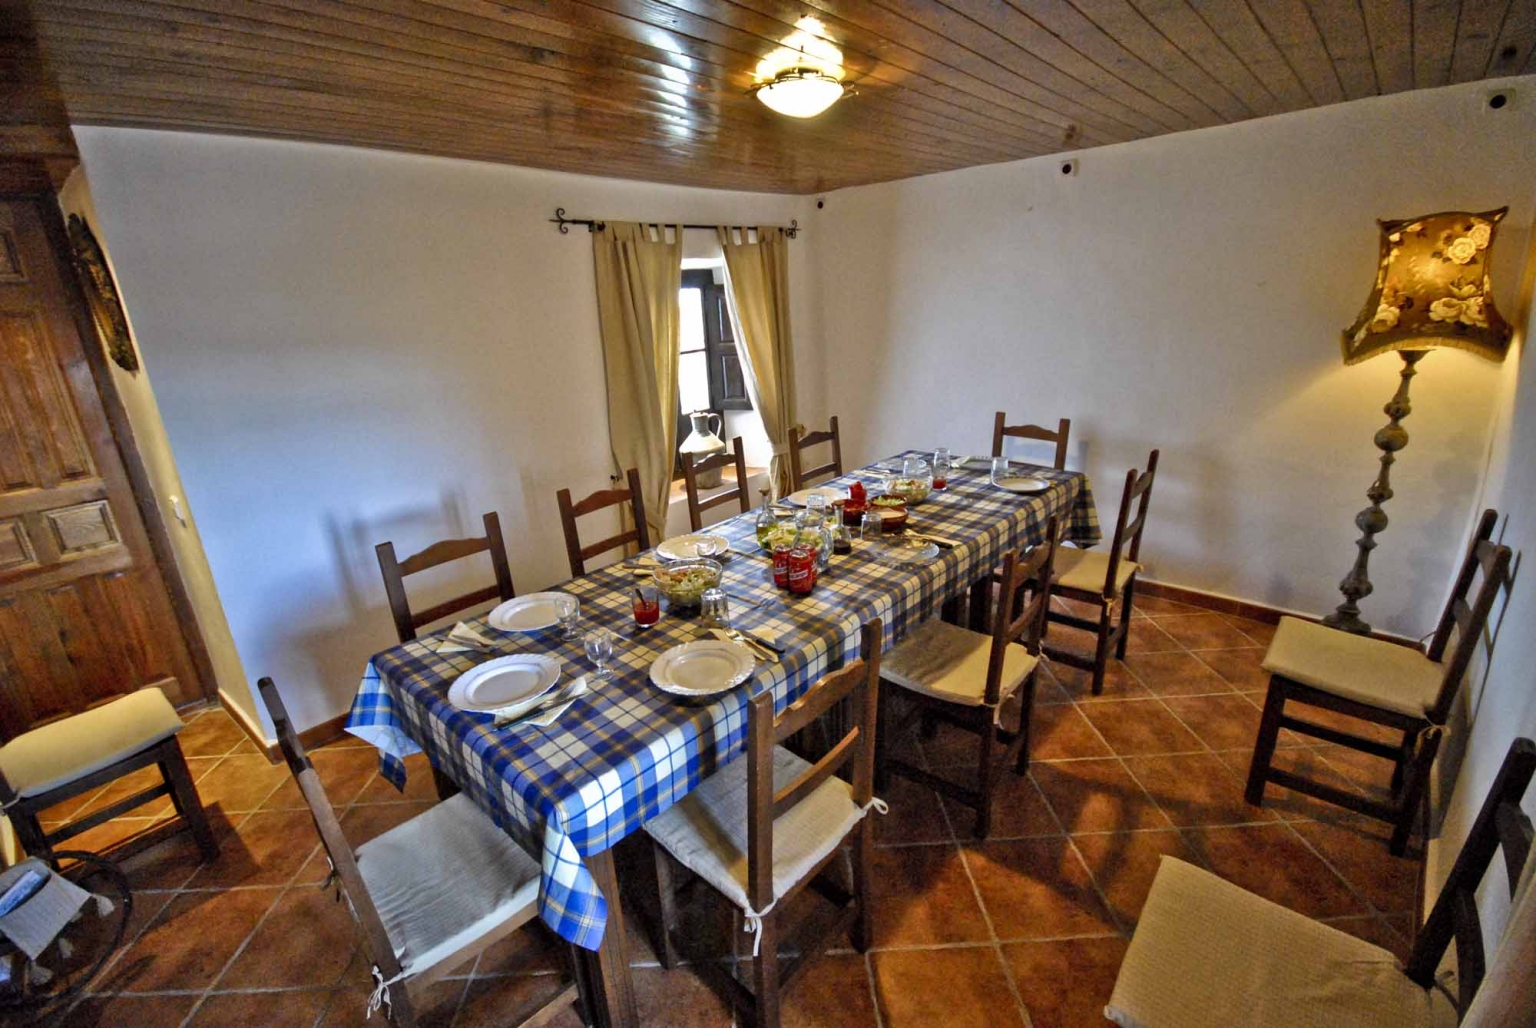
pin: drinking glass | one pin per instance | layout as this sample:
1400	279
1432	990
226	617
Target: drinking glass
1000	470
870	527
599	646
647	605
569	610
715	609
941	468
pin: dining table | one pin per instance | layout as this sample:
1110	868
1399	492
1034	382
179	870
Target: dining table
626	751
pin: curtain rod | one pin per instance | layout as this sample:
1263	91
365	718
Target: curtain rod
593	225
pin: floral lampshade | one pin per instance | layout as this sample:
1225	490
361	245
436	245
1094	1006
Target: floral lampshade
1432	289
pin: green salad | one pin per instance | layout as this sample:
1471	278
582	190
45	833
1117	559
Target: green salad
684	586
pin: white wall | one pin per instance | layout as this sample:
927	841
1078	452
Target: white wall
1187	292
1500	700
351	346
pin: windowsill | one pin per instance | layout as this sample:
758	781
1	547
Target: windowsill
679	493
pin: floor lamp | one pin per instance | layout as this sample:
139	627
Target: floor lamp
1432	290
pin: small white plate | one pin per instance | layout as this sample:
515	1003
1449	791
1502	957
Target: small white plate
530	613
702	668
1023	485
504	682
698	544
799	499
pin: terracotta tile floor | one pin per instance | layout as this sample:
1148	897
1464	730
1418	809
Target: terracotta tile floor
1028	927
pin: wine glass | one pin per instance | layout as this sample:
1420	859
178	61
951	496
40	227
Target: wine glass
598	643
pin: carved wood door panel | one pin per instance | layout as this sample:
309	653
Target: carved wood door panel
84	612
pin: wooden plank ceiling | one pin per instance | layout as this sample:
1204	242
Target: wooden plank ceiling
657	90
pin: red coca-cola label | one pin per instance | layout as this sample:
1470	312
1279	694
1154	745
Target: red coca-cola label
781	566
802	570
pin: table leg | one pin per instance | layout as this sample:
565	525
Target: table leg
607	991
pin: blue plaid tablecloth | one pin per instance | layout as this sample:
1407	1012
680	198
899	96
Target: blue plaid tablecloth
627	751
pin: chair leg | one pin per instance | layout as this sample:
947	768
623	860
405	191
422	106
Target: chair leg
1264	745
1427	745
184	796
884	719
1404	756
863	934
1101	650
986	773
30	834
1026	714
401	1011
666	894
765	975
1125	618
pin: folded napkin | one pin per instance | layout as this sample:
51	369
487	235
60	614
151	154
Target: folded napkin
463	639
570	693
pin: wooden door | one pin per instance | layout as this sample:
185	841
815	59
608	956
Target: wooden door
84	611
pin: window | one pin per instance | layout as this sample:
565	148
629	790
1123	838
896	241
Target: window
709	373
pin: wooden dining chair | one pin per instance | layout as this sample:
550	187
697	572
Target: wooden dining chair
691	471
81	753
1106	579
640	535
763	828
800	442
395	572
1401	687
1209	954
1002	430
430	894
963	677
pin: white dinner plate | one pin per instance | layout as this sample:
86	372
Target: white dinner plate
529	613
702	668
1023	484
799	499
908	550
504	682
697	544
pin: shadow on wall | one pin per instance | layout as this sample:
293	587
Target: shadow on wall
1455	482
1453	748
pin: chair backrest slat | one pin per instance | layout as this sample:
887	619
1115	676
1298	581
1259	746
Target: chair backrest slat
858	681
639	533
1001	430
799	442
692	470
1016	621
1466	621
344	863
1126	543
395	572
1454	915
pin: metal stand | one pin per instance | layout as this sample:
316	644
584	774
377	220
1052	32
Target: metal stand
1372	521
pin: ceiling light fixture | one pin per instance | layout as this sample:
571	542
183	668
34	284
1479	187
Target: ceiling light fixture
804	76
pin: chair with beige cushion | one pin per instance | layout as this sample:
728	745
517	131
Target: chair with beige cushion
963	677
1002	430
1401	687
1208	954
1106	579
800	441
81	753
430	894
767	826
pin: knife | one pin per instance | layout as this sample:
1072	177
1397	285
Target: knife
735	637
775	647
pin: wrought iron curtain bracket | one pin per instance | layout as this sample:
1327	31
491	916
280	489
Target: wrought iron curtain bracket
593	225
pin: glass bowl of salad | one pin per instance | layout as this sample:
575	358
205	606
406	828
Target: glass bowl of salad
683	582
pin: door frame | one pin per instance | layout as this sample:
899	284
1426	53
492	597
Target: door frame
51	214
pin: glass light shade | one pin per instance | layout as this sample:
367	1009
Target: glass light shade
800	93
1432	289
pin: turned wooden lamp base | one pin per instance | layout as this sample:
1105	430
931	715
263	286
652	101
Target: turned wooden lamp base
1372	521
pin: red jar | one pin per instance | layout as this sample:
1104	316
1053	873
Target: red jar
781	566
802	570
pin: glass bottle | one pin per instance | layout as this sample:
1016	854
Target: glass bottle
766	522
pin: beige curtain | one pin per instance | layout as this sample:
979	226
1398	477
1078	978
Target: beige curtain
757	275
639	274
